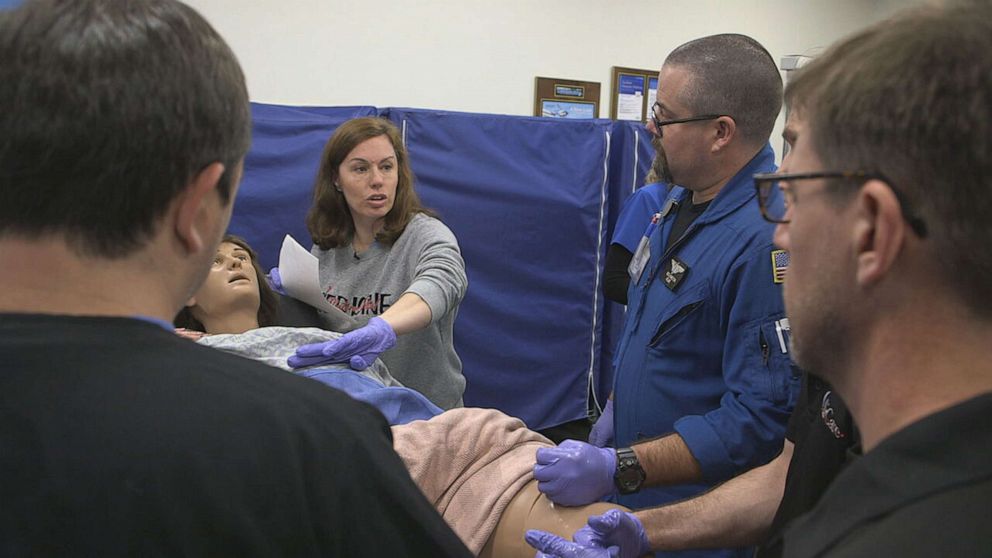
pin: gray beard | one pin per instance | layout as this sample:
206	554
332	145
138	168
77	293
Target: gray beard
664	173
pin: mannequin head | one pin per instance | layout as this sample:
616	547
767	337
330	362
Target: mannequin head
234	296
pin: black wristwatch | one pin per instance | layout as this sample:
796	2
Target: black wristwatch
630	475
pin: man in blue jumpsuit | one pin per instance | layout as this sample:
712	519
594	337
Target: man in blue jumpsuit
703	387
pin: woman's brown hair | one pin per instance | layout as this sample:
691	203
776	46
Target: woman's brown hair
329	219
268	304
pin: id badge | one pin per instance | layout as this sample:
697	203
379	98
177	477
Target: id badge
640	259
643	252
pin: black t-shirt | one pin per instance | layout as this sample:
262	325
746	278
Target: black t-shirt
119	438
686	213
616	278
826	441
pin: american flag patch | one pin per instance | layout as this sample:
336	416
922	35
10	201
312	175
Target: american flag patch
780	264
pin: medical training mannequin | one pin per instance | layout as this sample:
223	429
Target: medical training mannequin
474	465
231	304
386	259
236	312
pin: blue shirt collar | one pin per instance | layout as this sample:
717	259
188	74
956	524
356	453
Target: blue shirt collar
157	321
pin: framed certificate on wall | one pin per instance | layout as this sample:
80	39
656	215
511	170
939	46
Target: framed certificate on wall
633	93
566	98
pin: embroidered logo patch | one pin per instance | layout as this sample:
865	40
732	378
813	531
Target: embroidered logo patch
827	414
675	270
780	264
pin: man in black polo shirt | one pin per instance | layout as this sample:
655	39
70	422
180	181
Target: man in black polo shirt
123	127
889	292
823	440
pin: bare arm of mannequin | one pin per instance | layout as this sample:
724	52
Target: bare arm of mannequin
530	509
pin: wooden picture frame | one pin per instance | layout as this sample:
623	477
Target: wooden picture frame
632	93
566	98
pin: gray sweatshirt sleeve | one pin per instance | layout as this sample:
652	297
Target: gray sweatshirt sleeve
439	276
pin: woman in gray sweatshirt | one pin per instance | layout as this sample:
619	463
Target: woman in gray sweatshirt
386	260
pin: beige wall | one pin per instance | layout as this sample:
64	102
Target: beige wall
483	56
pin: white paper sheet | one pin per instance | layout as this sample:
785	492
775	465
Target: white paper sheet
300	280
629	106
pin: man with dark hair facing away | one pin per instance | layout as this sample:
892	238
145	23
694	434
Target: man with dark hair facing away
123	126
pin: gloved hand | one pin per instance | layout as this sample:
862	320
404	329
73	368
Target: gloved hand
275	281
615	529
602	432
575	473
358	348
552	546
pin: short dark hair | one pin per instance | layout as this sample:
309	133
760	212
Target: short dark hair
911	98
109	108
734	75
268	304
329	219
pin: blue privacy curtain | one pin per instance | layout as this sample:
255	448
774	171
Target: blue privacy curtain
526	198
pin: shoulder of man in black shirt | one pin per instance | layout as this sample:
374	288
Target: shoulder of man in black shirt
126	439
826	441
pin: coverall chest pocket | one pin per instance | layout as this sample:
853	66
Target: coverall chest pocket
770	344
682	312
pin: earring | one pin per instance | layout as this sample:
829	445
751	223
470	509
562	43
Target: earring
337	187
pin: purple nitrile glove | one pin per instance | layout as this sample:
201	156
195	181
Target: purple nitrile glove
601	434
550	545
575	473
275	281
615	529
358	348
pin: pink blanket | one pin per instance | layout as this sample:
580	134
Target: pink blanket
469	463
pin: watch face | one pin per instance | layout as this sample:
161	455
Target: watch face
630	475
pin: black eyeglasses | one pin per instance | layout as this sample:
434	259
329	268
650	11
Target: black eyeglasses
765	184
658	124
